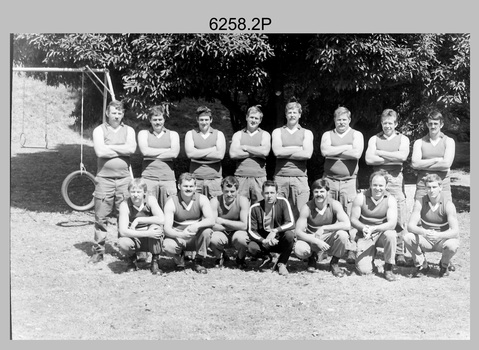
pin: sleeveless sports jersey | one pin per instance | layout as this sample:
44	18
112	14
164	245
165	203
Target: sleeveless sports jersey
233	213
251	166
316	219
341	168
389	145
134	213
154	168
202	168
116	166
430	151
434	220
291	167
184	217
372	214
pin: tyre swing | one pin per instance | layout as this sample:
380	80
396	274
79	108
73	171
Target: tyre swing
78	187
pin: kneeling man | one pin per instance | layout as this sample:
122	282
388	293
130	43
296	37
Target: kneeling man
140	221
374	216
433	227
188	222
230	211
271	227
322	227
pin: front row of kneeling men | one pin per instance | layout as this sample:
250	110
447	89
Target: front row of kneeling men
190	222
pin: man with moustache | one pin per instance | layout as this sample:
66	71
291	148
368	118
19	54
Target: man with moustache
293	146
230	211
206	149
271	227
374	216
322	227
433	227
114	143
387	151
188	222
342	147
250	147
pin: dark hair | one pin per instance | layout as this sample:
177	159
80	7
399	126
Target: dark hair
230	181
435	115
319	184
270	183
203	110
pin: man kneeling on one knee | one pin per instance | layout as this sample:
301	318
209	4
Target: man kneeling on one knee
322	227
374	216
432	227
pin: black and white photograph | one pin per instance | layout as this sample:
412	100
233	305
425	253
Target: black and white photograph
241	177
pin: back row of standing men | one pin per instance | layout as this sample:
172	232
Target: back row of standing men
292	145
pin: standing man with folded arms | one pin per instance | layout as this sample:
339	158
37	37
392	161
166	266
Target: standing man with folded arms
206	149
342	147
114	143
250	147
293	146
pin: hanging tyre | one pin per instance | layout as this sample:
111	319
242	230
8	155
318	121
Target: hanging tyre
77	190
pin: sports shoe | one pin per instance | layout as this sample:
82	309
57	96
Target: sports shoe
389	276
199	268
421	270
132	266
154	267
400	260
312	263
351	259
221	260
241	263
336	271
443	271
282	270
96	258
180	261
451	267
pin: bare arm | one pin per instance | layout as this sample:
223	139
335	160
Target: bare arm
101	149
342	222
357	149
453	231
126	231
235	225
160	153
236	151
263	149
371	157
416	159
191	151
391	217
356	212
207	219
277	146
129	147
328	150
399	155
302	224
170	231
414	219
445	162
219	151
307	150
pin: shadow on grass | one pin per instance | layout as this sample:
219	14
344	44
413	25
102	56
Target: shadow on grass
461	196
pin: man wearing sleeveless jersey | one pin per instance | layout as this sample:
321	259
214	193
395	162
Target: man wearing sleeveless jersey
387	151
206	149
322	227
374	216
433	227
342	147
140	226
188	223
433	154
113	142
250	147
293	146
230	211
159	147
271	227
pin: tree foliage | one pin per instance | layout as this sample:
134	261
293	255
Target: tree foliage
364	72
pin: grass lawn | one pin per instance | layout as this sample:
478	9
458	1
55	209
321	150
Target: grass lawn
56	294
